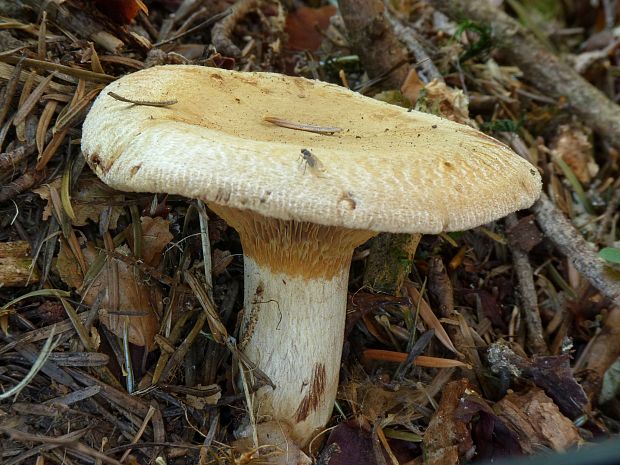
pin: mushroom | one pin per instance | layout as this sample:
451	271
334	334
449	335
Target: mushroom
305	171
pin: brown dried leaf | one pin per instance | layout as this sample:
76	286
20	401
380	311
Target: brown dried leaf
412	86
89	199
200	402
572	145
439	99
155	236
492	437
363	303
525	234
221	260
139	302
304	26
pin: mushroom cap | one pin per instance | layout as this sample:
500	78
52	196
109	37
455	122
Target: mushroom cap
388	169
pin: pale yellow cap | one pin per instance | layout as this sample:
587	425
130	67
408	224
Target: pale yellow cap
388	169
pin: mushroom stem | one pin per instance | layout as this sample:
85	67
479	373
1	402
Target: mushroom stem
293	330
296	276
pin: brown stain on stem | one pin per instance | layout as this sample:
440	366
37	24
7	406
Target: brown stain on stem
312	399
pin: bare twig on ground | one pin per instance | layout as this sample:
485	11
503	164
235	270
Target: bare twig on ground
610	211
581	253
373	40
529	300
19	185
542	68
222	31
11	159
207	22
408	36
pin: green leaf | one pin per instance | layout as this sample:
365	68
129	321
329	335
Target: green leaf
610	254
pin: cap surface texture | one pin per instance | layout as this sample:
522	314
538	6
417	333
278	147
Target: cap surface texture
387	169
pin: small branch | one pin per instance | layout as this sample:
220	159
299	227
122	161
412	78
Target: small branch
373	40
11	159
408	36
21	184
543	69
610	211
222	31
581	253
529	301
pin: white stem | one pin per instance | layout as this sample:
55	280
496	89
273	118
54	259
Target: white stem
293	330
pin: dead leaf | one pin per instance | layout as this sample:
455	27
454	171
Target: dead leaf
492	437
89	200
412	86
121	11
363	303
439	99
221	260
303	27
525	234
139	301
155	236
429	317
572	145
200	402
419	361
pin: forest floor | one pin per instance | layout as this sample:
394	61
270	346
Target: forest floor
105	351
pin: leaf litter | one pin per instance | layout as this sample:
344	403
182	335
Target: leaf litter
108	357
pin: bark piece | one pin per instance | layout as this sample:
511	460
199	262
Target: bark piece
389	262
446	437
15	265
537	421
552	373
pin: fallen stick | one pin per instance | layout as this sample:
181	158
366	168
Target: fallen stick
542	68
581	253
372	38
529	300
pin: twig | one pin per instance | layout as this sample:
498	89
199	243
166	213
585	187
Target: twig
576	249
21	184
546	71
221	32
197	27
610	211
11	159
372	38
529	300
407	36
